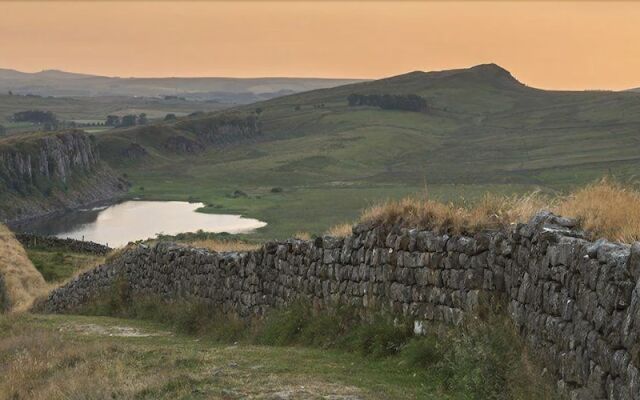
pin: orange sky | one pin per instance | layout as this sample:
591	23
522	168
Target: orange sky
574	45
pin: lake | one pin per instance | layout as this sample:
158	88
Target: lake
119	224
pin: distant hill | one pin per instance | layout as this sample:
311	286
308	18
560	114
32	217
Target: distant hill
232	90
482	125
482	130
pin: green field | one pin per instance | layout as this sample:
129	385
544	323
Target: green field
484	131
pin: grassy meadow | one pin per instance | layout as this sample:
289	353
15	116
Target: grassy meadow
188	355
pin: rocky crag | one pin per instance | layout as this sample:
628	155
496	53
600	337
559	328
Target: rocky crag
577	302
41	174
183	137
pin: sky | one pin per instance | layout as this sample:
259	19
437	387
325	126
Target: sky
554	45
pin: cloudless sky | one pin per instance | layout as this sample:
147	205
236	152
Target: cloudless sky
571	45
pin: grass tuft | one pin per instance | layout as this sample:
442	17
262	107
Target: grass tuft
340	230
606	208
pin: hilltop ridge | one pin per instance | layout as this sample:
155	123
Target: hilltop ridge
63	83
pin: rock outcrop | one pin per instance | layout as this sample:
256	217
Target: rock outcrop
576	302
44	173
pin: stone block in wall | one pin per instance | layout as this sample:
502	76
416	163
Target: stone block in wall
633	263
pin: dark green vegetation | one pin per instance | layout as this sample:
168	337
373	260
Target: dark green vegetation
484	358
483	132
409	102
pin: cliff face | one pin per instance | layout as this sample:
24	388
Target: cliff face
41	174
223	129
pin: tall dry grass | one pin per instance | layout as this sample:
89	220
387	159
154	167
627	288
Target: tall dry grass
606	209
340	230
22	282
45	364
491	212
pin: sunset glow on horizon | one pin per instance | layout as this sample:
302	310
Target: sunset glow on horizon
567	45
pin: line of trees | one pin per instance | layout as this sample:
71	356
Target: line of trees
409	102
126	120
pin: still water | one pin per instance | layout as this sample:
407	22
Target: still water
119	224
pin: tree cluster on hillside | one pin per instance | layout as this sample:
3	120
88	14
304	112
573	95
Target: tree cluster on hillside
45	118
409	102
36	116
126	120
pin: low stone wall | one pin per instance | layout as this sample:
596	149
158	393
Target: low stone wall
577	302
29	240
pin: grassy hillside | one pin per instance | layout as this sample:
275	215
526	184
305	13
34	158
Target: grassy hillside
483	131
20	282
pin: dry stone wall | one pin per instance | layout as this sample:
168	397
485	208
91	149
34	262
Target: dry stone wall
577	302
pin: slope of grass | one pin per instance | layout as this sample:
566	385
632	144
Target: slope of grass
62	357
484	132
20	282
56	266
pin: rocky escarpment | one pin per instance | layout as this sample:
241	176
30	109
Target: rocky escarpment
576	302
41	174
188	136
222	129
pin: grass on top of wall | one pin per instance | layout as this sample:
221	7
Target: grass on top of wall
483	358
605	208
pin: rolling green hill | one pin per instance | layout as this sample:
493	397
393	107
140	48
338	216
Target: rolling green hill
483	131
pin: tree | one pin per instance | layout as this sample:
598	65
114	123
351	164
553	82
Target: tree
36	116
3	130
169	117
142	119
112	120
410	102
128	120
258	110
